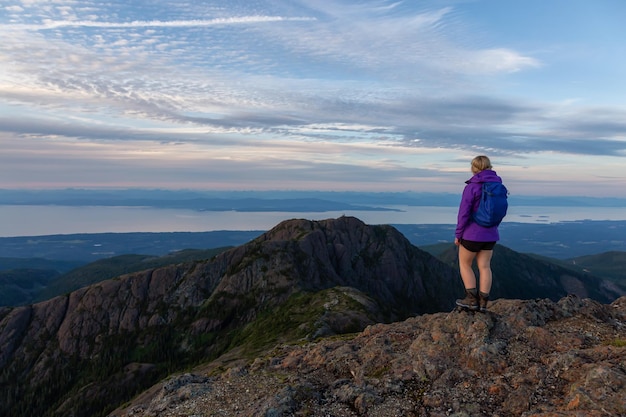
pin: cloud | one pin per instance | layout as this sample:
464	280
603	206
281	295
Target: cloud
497	60
14	9
330	86
51	24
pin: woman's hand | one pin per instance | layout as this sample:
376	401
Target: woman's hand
457	241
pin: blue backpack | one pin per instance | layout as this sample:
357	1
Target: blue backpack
493	204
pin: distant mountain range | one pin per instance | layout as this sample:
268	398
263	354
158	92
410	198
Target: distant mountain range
90	350
44	266
291	201
561	240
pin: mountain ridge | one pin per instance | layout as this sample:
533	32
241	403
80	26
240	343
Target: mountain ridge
518	275
174	316
83	353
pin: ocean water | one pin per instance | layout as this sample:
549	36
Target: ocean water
19	220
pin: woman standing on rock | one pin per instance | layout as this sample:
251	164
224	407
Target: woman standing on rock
473	240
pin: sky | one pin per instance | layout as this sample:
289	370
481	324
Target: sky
313	94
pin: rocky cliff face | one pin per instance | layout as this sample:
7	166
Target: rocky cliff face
522	358
77	355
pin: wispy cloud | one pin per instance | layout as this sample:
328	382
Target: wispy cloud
313	83
50	24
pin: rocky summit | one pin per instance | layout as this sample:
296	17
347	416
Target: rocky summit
84	353
522	358
318	318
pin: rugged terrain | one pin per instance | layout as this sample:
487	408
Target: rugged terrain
89	351
522	358
83	352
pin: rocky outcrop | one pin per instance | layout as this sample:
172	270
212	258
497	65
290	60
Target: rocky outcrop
117	335
522	358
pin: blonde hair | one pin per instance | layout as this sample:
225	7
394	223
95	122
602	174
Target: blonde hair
480	163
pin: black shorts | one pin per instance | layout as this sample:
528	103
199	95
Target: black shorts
472	246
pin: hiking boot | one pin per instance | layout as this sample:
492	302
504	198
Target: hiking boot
470	301
484	298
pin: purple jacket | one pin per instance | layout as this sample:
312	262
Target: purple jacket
465	227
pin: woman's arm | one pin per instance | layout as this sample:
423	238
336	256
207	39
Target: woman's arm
464	216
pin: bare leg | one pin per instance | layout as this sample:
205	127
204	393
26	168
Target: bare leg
465	268
483	261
